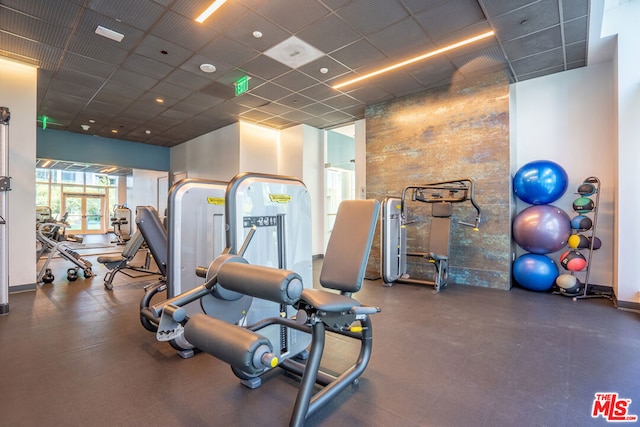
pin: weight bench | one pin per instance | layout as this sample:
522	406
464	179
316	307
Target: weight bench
154	233
119	263
319	311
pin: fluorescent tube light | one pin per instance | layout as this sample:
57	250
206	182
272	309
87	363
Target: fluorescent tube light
212	8
110	34
416	59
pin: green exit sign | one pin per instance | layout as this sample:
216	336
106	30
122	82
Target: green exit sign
242	85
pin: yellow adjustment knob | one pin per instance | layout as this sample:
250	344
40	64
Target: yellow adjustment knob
355	329
274	362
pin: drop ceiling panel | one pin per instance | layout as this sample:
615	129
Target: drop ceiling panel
82	79
183	33
114	82
231	52
29	51
59	12
32	28
292	15
333	69
529	19
575	31
271	91
265	67
416	6
532	44
402	40
319	92
127	77
576	52
572	9
90	21
495	8
188	80
97	47
139	13
147	66
542	61
369	16
242	32
295	80
153	47
360	54
459	13
329	33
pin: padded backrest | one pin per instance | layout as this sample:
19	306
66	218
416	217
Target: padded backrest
154	234
439	235
133	245
347	253
441	209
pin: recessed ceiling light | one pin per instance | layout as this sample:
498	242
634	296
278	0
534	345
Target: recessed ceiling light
417	58
257	34
85	127
160	100
91	121
324	70
208	68
209	11
148	132
114	130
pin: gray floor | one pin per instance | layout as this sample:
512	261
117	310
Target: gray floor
74	354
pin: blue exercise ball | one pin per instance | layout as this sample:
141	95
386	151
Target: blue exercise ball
540	182
542	229
535	272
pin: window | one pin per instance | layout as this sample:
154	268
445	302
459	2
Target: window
51	184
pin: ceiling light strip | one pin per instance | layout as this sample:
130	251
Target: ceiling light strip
212	8
417	58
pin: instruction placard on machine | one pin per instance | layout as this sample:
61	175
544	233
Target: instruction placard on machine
259	221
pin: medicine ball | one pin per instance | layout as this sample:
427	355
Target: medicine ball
597	243
573	261
568	285
586	189
578	241
583	205
581	222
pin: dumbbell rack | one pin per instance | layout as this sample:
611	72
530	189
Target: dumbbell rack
592	237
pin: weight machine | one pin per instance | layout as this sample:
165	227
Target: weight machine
5	185
441	196
258	309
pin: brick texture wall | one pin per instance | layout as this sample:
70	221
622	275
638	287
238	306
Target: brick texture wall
453	132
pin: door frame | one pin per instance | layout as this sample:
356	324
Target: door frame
83	208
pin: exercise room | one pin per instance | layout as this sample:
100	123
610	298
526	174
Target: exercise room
319	212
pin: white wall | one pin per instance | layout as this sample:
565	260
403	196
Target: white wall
258	149
19	95
301	155
142	190
623	21
215	155
568	118
361	158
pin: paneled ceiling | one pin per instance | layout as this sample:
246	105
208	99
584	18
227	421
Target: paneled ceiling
112	88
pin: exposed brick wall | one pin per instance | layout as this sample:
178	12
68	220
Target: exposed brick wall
453	132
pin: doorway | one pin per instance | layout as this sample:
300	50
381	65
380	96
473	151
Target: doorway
339	172
85	213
